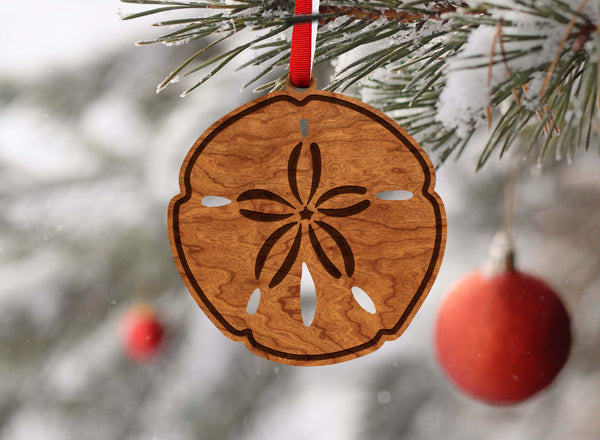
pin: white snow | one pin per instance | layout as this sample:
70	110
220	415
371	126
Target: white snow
466	96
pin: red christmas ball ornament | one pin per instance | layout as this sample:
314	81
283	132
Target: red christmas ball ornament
502	336
142	333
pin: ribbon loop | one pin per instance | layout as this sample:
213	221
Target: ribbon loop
304	38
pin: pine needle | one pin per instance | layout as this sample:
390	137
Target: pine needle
560	47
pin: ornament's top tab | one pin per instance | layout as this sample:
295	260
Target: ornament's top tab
299	93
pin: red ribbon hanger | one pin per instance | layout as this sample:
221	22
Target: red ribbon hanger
304	37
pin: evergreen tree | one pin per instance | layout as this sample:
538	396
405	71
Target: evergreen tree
526	69
89	158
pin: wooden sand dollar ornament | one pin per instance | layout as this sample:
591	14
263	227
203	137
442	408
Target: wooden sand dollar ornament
307	226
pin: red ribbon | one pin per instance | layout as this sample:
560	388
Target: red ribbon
301	58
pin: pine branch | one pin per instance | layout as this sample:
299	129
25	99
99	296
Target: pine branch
408	58
277	15
388	14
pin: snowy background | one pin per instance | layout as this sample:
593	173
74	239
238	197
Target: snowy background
89	158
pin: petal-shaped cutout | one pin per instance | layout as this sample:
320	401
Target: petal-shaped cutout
308	296
253	302
346	212
215	201
347	189
267	246
263	194
263	216
363	299
304	127
289	260
398	194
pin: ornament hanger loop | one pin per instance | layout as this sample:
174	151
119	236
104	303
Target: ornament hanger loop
304	38
290	86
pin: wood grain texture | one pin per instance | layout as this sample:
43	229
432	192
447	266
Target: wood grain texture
307	199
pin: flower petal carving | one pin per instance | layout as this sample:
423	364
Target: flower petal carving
346	212
289	261
347	189
261	258
292	170
263	194
263	216
321	255
305	214
315	154
342	244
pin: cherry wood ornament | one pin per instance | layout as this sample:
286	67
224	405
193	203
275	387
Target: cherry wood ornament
291	191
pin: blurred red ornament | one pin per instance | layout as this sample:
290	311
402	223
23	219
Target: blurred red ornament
502	337
142	333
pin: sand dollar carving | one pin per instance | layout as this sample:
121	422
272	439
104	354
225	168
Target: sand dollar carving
308	227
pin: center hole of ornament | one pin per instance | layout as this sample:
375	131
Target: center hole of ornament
306	214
